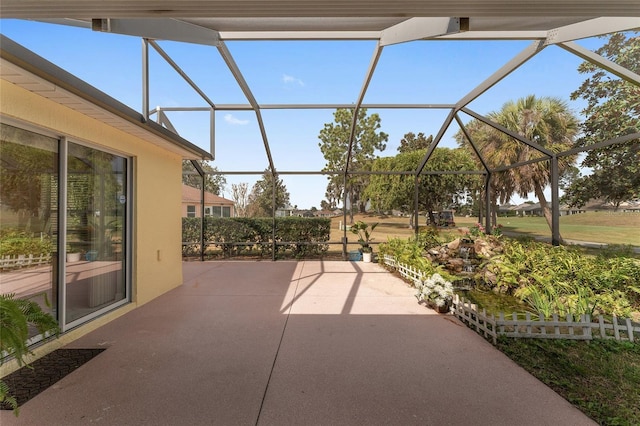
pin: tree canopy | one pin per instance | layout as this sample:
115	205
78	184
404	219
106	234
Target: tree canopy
261	196
613	110
411	142
546	121
436	191
334	144
214	181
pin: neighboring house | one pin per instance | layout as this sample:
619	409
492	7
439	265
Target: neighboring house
285	211
63	139
325	213
214	205
534	209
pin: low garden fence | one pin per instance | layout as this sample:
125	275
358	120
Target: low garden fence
23	261
527	325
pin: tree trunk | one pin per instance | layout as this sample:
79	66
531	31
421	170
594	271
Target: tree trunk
546	211
494	213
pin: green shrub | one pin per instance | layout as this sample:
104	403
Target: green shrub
295	236
15	243
411	252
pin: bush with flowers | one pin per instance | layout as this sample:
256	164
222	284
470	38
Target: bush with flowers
436	290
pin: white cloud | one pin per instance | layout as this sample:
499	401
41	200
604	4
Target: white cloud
235	121
288	79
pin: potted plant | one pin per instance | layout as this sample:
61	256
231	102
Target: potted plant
436	292
72	255
363	231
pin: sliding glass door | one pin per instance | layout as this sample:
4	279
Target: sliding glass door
96	223
64	220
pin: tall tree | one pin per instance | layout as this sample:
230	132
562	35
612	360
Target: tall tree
435	192
261	196
214	182
411	142
548	122
613	109
240	197
334	144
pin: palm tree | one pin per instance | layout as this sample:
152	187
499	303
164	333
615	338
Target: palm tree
547	122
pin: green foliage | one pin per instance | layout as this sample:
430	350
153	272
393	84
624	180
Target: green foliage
14	243
388	192
411	142
411	252
547	122
214	182
293	235
334	144
563	280
361	229
16	316
547	279
612	110
260	201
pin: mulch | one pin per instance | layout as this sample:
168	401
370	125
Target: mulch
30	380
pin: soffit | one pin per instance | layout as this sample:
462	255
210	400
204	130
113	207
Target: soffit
48	88
314	8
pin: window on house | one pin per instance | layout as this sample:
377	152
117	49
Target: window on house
191	211
226	211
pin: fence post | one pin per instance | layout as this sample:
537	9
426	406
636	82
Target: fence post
630	330
586	330
616	329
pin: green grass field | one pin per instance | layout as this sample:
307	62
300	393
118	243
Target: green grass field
598	227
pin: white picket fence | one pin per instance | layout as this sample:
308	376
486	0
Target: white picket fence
538	327
527	325
22	261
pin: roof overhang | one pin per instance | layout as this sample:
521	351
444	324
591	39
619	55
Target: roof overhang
361	9
24	68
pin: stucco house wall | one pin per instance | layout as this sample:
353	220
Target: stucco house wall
156	182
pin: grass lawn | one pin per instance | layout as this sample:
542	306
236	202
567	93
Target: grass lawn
601	377
599	227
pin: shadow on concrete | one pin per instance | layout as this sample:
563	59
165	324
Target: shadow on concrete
293	343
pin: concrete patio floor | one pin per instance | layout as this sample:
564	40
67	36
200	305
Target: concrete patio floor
293	343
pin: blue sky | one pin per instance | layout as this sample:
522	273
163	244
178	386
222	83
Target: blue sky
301	72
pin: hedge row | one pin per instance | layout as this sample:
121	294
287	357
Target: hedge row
243	235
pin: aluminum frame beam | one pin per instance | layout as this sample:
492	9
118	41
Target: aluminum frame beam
508	132
591	28
179	70
298	35
356	108
501	73
603	144
420	28
602	62
235	70
163	29
248	107
436	141
473	145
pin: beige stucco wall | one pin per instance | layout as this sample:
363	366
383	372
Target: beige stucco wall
157	262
